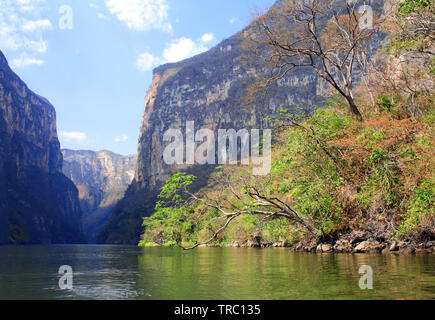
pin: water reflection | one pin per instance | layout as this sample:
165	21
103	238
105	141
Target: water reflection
281	274
118	272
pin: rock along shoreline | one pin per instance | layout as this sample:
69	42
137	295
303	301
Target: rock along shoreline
354	242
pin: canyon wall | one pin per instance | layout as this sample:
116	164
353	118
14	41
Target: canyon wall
38	204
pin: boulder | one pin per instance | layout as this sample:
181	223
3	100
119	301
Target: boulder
311	245
386	251
369	246
407	250
423	251
343	246
358	236
252	244
324	247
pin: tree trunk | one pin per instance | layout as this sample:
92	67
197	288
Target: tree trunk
354	108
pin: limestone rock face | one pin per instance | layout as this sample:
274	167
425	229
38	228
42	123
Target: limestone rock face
209	89
102	179
38	204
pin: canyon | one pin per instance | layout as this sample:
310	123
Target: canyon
102	179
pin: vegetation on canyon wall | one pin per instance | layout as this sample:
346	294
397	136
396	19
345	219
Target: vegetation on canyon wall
331	173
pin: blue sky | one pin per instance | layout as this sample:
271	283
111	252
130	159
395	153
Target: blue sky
93	59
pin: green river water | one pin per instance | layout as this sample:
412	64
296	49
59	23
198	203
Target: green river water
128	272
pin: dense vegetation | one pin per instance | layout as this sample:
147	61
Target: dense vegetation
332	171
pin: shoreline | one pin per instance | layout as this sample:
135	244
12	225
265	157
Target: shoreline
347	244
370	246
353	242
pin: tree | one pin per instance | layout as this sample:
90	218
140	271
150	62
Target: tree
177	198
330	36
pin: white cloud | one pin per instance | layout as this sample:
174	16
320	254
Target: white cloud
181	49
73	137
121	138
23	62
177	50
36	25
141	15
101	16
233	20
207	37
21	31
184	48
36	46
147	61
34	6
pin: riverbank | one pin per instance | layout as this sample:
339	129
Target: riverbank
354	242
341	246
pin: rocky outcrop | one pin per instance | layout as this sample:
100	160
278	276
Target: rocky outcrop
102	179
361	241
38	204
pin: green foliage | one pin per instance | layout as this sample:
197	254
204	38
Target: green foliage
421	207
431	66
396	46
379	185
278	230
175	183
170	244
407	7
429	117
170	221
384	103
378	156
146	244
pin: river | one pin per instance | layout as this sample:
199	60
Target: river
128	272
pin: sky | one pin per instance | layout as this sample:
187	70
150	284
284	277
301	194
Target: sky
93	59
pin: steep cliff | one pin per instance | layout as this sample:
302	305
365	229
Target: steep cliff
208	89
102	179
38	204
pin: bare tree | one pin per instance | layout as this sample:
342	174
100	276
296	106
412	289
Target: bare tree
252	202
330	36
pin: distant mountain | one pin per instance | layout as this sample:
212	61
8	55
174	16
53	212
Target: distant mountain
38	204
102	179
